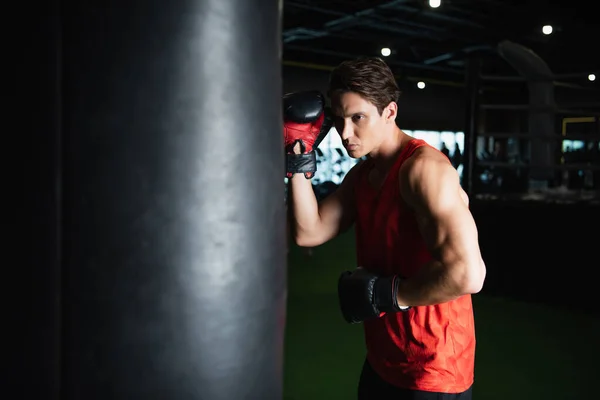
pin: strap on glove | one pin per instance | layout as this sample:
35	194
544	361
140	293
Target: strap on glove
363	295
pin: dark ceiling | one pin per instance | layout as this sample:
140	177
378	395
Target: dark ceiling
434	43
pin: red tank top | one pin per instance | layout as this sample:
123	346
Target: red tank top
430	348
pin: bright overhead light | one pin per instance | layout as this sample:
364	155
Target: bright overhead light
435	3
421	85
592	77
385	52
547	29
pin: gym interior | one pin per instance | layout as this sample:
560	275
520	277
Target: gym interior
150	259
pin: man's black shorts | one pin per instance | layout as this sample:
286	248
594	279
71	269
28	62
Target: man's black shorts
372	387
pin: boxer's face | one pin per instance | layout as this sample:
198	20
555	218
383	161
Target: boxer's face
359	124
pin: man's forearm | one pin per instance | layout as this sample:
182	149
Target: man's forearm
304	208
434	283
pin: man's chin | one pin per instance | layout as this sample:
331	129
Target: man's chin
354	153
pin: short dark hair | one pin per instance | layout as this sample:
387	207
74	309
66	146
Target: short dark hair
370	77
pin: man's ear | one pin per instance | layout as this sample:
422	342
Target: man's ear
390	112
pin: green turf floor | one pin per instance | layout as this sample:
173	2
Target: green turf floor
524	351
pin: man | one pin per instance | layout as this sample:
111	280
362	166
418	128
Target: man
417	244
445	150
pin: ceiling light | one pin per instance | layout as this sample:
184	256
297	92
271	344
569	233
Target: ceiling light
592	77
421	85
435	3
547	29
385	52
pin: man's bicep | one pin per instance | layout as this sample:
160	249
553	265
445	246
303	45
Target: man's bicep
443	215
450	236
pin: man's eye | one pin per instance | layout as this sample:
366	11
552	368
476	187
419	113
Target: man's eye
357	118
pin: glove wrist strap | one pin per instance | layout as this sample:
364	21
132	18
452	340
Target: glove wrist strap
386	294
301	163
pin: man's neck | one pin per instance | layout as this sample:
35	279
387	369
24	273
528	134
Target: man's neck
385	156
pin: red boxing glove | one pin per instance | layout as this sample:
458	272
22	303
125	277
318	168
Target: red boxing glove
305	124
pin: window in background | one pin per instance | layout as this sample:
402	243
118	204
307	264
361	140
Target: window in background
572	145
334	163
454	141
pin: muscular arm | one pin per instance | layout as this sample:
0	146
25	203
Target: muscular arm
313	223
431	187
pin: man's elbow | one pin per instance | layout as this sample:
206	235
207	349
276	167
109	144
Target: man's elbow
473	277
303	240
299	236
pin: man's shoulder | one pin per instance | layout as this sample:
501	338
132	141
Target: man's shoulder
424	157
425	169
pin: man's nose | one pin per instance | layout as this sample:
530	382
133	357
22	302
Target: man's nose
346	131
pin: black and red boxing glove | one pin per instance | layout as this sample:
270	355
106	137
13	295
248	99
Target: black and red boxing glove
306	123
363	295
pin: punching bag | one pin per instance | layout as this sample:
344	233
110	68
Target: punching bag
542	109
173	233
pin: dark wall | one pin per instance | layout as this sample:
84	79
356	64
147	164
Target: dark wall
566	96
32	325
540	252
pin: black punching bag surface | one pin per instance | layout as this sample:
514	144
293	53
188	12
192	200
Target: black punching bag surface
174	275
